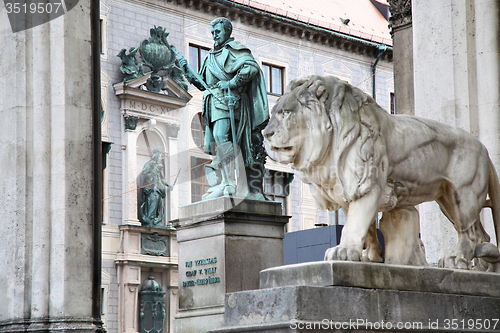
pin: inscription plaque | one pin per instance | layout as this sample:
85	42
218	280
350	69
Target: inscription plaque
201	273
155	245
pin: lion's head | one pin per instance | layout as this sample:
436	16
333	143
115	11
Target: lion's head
299	127
322	118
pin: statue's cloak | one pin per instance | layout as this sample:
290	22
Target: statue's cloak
254	110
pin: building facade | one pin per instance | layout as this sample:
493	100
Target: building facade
289	39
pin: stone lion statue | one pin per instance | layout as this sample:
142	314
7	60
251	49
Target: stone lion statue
356	156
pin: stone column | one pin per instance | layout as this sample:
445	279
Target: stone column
402	35
173	169
130	215
129	291
487	18
456	65
487	54
173	160
46	176
173	283
436	98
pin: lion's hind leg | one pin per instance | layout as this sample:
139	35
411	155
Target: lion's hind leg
401	229
372	251
462	208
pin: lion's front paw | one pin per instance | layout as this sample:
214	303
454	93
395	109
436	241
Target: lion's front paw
456	262
342	253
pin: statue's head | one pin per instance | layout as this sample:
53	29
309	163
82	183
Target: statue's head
157	153
221	29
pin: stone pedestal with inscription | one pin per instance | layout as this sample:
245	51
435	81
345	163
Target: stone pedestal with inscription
339	296
223	245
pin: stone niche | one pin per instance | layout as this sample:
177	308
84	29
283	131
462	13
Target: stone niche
149	120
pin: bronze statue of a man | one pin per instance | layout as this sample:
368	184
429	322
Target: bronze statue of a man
153	191
229	70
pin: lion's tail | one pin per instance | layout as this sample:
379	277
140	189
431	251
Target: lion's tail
494	192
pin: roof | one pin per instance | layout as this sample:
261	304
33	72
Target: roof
365	21
382	2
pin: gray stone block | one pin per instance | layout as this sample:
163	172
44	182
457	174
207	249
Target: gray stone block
129	14
365	297
347	309
129	28
381	276
196	212
140	18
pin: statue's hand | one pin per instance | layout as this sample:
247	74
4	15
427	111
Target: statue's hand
183	63
224	85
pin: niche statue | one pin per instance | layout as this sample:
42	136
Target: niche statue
153	191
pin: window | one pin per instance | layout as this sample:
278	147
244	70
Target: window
393	104
277	186
273	75
101	40
103	34
198	130
196	56
102	301
199	183
106	147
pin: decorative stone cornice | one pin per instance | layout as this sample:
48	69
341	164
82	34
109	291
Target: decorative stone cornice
175	98
53	324
134	252
400	14
145	260
342	38
143	104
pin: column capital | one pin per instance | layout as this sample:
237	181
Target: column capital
400	14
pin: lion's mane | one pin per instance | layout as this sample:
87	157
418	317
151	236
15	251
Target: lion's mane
355	118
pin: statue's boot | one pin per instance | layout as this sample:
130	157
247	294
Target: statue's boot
225	154
255	176
216	187
227	162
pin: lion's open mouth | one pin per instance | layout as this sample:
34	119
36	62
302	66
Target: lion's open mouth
282	149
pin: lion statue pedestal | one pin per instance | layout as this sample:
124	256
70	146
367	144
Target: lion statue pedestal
342	296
